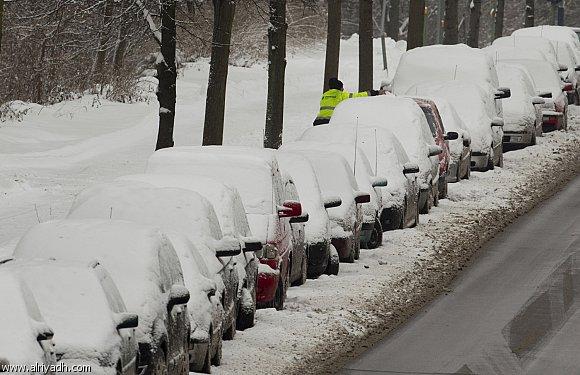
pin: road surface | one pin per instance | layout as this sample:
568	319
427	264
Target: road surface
514	311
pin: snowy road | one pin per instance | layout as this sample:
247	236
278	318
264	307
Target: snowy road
514	311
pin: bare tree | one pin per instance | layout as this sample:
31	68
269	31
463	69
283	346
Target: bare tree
213	129
1	19
365	45
332	41
393	23
529	14
474	17
499	16
167	75
451	35
416	24
276	74
103	41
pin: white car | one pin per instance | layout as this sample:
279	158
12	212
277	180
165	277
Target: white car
26	339
522	111
564	34
548	85
233	222
146	270
84	307
186	213
317	228
476	108
534	43
256	176
460	148
405	119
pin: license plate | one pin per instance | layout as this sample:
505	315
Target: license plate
516	139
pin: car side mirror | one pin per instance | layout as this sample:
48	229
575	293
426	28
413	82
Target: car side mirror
410	168
178	295
290	209
497	122
332	202
577	68
536	100
126	321
451	136
361	197
434	150
562	67
251	245
466	142
545	94
379	181
503	93
45	333
299	219
228	247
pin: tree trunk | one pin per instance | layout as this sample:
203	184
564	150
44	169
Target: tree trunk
167	75
213	128
474	16
1	23
103	41
122	39
365	45
499	16
451	35
276	73
416	24
332	41
393	23
529	14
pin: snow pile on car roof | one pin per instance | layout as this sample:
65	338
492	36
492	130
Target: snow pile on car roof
530	42
541	73
132	253
506	52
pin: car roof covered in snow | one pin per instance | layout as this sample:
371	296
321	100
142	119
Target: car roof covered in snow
253	172
21	320
542	75
506	52
530	42
552	32
140	259
442	63
74	304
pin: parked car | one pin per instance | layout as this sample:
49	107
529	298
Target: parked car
476	108
534	43
145	268
522	111
388	158
549	86
26	339
83	305
460	148
178	212
404	118
233	222
336	179
256	176
442	138
564	34
317	228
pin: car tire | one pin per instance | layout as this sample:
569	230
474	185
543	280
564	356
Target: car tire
216	360
357	250
403	222
303	272
159	363
468	173
426	206
436	198
533	142
500	160
280	296
333	266
376	236
230	333
443	193
246	317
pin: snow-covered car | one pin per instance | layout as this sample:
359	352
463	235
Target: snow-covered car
442	138
534	43
317	228
571	76
564	34
231	215
476	108
146	270
371	231
404	118
548	85
186	213
336	179
256	176
26	339
460	148
84	307
522	111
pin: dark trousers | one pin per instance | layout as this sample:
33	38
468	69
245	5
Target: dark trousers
321	121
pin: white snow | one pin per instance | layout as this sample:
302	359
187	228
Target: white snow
452	122
518	111
543	77
530	42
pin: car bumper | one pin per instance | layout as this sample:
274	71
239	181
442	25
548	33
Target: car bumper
479	161
318	254
516	138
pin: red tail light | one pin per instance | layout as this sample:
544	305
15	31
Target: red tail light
551	120
568	87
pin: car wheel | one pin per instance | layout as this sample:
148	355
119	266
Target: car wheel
230	333
247	312
119	369
280	297
533	142
403	220
443	193
376	236
333	262
490	163
436	197
500	159
159	363
216	360
468	173
357	250
303	273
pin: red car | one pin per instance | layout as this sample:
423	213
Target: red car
256	176
441	139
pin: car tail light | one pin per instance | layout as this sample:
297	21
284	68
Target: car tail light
551	120
568	87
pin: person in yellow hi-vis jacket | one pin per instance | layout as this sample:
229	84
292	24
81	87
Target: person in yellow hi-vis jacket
335	95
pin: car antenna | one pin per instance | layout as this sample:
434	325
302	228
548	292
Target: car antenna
355	144
111	213
376	153
455	72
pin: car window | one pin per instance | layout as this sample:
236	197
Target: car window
112	294
430	119
170	268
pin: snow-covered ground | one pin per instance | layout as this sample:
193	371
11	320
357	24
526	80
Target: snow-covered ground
55	152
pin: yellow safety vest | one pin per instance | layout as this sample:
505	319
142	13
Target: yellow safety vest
332	98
